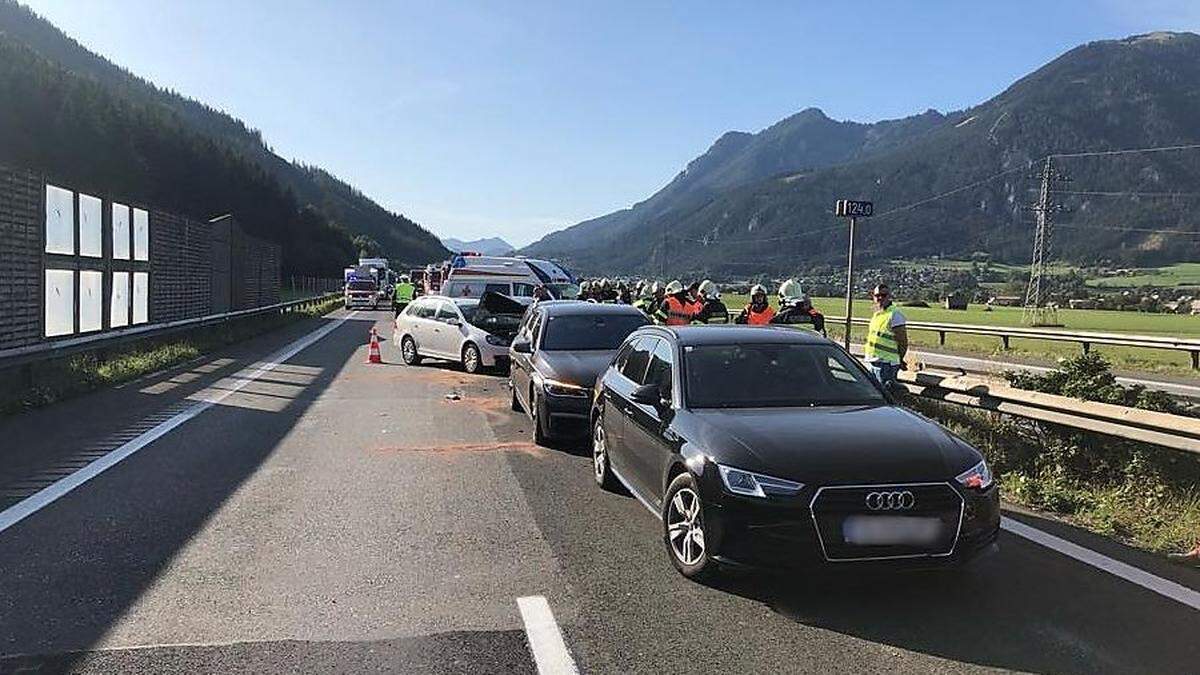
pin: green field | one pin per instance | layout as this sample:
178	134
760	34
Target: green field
1105	321
1174	276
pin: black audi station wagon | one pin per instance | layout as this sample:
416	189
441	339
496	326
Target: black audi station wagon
768	447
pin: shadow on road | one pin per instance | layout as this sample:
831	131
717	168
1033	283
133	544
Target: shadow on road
1025	609
70	572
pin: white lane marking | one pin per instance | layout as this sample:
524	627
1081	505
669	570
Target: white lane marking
46	496
545	639
1165	588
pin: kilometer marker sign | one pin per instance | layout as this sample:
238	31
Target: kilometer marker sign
848	208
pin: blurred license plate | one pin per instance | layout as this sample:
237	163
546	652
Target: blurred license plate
890	530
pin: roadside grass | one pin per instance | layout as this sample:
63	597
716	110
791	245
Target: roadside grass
1145	496
41	384
1105	321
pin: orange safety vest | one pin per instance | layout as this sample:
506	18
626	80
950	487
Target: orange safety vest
679	313
759	318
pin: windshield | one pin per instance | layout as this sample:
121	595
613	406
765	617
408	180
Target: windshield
362	285
774	375
582	332
564	291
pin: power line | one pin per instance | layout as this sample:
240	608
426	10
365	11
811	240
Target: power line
1097	193
729	242
909	207
1105	153
1122	228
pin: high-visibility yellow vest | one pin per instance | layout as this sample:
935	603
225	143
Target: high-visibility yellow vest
404	292
881	341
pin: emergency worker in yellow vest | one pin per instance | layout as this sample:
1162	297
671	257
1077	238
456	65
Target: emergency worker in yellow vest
887	337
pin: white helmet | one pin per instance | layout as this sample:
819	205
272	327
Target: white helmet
790	290
709	290
674	287
756	289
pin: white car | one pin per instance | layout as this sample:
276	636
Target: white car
475	332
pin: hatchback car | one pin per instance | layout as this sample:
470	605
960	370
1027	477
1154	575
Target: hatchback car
770	447
473	332
561	347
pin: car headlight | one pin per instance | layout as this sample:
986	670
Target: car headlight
978	477
495	340
750	484
556	388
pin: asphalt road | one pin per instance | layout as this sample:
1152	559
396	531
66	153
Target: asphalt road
326	515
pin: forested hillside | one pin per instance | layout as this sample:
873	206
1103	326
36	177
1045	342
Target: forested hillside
1126	209
72	114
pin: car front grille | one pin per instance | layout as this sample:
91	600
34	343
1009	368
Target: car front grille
832	505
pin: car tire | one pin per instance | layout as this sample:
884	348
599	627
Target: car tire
684	534
601	467
541	435
472	360
408	351
516	402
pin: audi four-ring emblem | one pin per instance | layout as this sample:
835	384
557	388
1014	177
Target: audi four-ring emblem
900	500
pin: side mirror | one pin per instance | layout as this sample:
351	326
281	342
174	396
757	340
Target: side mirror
647	394
522	347
897	390
453	321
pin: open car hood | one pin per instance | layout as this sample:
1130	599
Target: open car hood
498	303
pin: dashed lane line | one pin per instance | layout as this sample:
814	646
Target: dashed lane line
51	493
545	639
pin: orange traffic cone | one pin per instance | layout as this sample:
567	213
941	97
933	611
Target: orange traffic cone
373	355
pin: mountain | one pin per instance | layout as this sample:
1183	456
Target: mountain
763	202
489	246
115	132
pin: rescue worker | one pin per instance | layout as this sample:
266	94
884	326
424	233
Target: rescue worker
585	290
645	299
887	337
608	291
759	312
796	308
541	293
403	293
712	309
624	293
676	309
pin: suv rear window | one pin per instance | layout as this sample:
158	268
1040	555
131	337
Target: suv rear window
586	332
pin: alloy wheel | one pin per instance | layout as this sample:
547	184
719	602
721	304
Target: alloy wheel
471	359
685	530
599	453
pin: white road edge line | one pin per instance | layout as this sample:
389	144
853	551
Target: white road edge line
48	495
1134	575
545	639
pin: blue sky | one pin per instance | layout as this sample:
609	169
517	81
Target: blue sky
515	119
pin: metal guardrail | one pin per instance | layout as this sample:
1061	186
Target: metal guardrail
1145	426
18	356
1083	338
